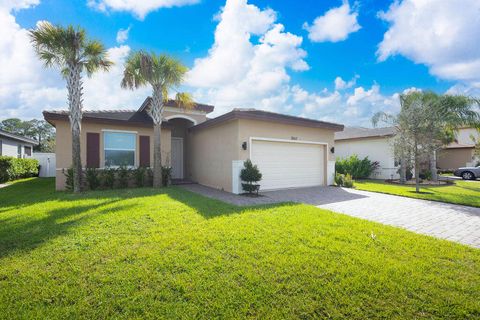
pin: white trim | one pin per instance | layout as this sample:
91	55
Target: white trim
181	116
119	131
135	164
179	110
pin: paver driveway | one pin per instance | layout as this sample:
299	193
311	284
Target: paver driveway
442	220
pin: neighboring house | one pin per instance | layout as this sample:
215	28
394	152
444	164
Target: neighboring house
376	144
460	153
16	146
289	151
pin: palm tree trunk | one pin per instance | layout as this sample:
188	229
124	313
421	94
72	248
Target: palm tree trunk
156	112
74	86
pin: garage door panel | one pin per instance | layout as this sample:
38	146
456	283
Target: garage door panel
288	165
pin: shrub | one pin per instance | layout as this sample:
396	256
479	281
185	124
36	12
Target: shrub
93	179
251	176
166	176
12	168
358	169
149	181
343	180
139	175
68	178
123	175
108	176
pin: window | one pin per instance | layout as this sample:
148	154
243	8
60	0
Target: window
28	151
119	149
19	151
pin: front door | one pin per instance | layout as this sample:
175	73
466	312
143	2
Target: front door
177	158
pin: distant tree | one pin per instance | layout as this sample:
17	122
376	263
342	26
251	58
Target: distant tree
73	53
39	130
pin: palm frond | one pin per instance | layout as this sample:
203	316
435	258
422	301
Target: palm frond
184	100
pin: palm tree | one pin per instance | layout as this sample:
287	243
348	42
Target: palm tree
72	52
162	73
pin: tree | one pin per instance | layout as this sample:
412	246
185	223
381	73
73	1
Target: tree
250	176
425	124
38	130
163	73
73	53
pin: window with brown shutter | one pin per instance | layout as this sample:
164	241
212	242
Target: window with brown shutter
144	151
93	150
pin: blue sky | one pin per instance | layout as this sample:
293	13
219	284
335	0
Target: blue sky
240	57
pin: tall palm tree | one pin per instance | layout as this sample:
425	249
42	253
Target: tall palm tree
72	52
163	73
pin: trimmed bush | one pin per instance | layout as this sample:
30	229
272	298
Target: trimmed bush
250	176
357	168
123	175
68	178
343	180
139	174
166	176
108	177
12	168
93	178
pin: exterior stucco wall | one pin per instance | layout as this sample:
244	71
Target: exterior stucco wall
10	147
376	149
455	158
63	147
215	150
210	155
197	116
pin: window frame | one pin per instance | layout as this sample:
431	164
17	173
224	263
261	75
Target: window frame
135	147
19	151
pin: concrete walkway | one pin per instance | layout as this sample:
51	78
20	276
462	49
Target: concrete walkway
442	220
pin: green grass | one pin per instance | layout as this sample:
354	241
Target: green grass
461	192
144	253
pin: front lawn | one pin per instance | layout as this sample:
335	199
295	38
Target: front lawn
462	192
144	253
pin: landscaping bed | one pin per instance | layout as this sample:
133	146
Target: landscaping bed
147	253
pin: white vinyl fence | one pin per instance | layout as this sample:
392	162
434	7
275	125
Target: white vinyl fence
47	164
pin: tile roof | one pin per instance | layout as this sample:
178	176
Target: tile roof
360	132
254	114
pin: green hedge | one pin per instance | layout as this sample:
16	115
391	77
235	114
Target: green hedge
12	168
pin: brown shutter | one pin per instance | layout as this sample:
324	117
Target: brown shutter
144	151
93	150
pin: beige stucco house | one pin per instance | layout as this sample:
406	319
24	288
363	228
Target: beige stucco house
289	151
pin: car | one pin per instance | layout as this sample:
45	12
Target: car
468	173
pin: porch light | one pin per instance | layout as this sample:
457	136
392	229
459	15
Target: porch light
332	149
244	145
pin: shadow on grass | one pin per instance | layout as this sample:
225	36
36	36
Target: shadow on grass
420	192
22	234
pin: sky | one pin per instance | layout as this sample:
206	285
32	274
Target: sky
332	60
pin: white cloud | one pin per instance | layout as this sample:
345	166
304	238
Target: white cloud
8	5
27	88
335	25
442	34
236	71
341	84
122	35
140	8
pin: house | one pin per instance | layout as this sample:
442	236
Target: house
376	144
460	153
289	151
14	145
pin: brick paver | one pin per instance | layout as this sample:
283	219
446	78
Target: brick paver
442	220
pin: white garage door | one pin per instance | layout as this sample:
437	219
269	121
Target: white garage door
288	164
